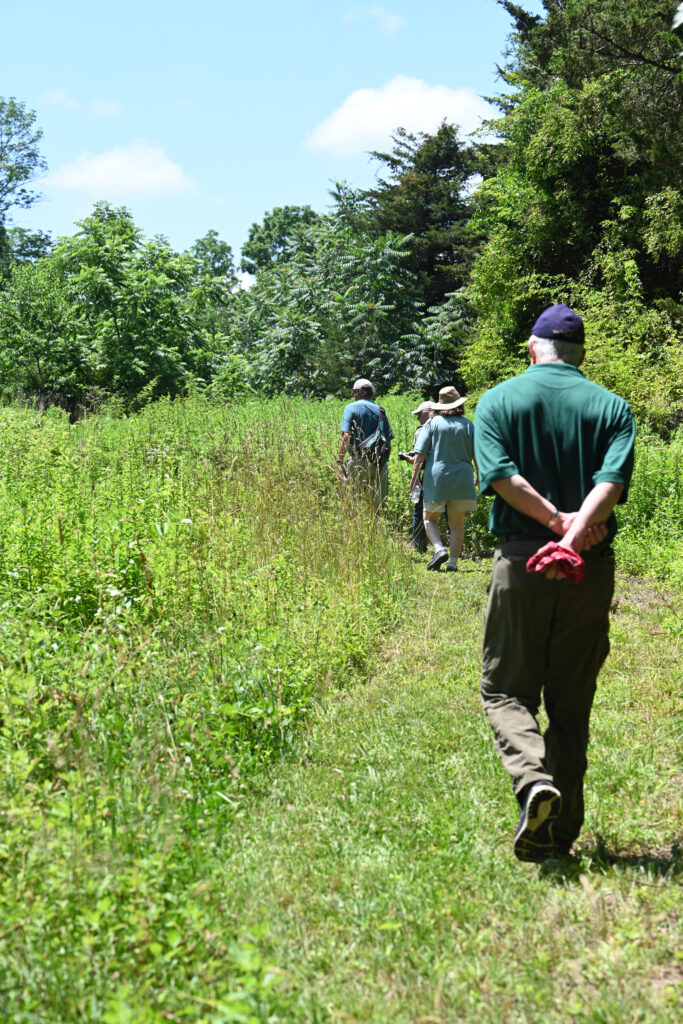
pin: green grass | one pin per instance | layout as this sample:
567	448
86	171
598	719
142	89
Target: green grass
650	541
379	862
244	772
177	590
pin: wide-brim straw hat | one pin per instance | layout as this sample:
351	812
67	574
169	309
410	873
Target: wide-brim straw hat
449	398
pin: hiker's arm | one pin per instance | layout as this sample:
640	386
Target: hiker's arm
518	492
595	509
588	525
418	463
344	442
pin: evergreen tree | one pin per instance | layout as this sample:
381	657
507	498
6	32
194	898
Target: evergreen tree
425	193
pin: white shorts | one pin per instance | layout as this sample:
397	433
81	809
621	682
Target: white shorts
434	508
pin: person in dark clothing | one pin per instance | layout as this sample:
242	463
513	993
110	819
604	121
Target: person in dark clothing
556	451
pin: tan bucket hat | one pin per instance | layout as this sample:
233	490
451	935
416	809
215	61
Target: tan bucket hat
449	398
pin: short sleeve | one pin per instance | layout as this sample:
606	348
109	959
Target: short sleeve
346	422
493	460
423	442
470	438
617	465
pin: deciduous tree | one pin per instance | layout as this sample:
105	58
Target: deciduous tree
587	207
109	313
340	305
20	158
272	241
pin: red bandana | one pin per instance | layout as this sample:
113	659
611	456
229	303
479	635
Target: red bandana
564	559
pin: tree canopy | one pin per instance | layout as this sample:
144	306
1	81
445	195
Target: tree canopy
20	163
109	314
587	204
272	240
339	302
432	275
20	158
425	193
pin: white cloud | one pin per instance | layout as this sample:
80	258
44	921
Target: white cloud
244	282
60	98
367	118
135	170
386	21
103	108
94	108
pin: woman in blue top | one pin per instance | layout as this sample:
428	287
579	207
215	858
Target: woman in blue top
446	449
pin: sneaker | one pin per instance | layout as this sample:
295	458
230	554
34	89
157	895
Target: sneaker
451	568
534	835
438	558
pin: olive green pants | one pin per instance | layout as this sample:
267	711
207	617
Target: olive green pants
545	639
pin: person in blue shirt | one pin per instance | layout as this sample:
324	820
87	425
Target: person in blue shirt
445	446
360	419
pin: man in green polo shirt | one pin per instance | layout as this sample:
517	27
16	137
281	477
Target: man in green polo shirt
556	450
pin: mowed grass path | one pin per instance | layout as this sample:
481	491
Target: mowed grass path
376	866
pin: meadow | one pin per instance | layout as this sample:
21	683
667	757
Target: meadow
240	743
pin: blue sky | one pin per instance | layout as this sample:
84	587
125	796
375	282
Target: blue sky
207	114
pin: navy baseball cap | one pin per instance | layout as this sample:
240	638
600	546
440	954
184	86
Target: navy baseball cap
559	323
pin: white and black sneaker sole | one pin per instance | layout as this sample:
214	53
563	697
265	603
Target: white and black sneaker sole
534	836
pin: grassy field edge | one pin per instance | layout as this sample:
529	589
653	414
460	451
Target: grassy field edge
377	867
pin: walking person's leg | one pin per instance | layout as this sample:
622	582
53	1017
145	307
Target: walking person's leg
516	628
578	648
432	530
432	514
456	513
382	476
375	480
518	624
419	536
456	527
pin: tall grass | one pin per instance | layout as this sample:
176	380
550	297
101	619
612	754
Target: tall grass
650	538
176	589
